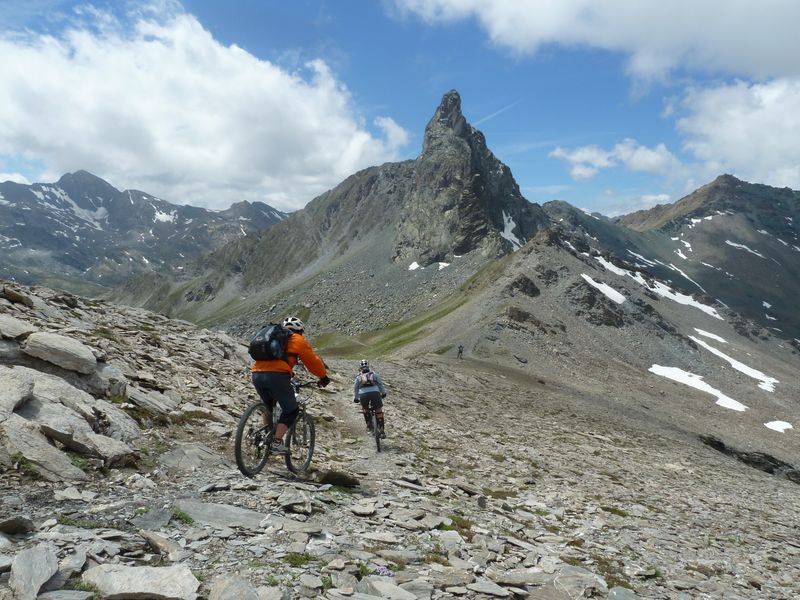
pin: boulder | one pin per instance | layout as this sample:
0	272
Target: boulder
16	296
20	437
232	586
188	457
153	402
16	525
31	569
220	515
158	583
16	386
13	328
60	350
102	416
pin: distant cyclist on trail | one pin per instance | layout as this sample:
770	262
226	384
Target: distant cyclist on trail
271	378
460	351
369	391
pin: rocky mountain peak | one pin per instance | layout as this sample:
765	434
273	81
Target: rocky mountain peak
463	198
82	184
446	121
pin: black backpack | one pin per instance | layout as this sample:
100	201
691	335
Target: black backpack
269	343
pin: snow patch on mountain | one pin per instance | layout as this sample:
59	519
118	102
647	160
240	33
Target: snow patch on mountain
606	289
660	288
712	336
765	381
508	227
780	426
696	381
743	247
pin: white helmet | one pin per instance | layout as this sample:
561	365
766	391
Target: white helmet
294	324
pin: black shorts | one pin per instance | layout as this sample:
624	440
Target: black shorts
373	398
276	387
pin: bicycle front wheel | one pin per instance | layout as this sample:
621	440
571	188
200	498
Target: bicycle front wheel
300	442
253	437
376	430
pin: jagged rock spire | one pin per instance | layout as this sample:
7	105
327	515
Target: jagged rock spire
446	121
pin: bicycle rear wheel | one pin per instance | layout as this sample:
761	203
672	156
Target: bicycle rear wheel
376	431
253	438
300	442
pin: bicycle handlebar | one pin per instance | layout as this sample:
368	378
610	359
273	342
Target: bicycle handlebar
298	386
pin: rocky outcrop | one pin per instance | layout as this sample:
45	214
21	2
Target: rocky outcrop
73	395
463	197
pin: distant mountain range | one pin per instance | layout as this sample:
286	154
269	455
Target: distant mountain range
83	234
456	209
392	241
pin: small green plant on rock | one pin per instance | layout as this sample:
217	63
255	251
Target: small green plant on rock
106	333
298	560
79	585
615	511
80	523
25	466
363	571
183	517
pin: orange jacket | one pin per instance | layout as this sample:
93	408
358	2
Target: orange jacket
295	346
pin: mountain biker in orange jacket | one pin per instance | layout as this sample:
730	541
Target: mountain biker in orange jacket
272	378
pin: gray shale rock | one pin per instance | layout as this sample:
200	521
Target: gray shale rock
228	587
18	436
157	583
31	569
67	353
13	328
220	515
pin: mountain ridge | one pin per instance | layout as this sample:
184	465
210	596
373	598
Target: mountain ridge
85	234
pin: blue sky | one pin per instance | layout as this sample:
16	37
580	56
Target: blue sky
612	107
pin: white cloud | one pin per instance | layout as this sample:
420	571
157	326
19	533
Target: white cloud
734	36
396	136
15	177
162	106
586	161
748	129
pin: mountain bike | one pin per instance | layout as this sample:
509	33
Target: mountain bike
256	431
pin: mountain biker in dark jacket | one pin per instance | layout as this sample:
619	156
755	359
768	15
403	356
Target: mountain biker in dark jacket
272	378
369	390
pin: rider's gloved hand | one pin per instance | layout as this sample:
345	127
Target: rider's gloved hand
383	395
355	400
324	381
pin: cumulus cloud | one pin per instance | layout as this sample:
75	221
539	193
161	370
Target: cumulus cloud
734	36
748	129
586	161
158	104
15	177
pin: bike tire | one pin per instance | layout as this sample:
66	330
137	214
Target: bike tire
253	440
300	444
376	430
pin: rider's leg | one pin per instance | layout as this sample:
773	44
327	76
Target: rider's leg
261	383
381	421
279	385
365	412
